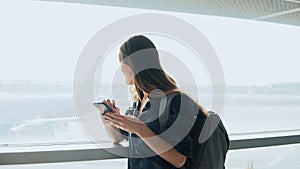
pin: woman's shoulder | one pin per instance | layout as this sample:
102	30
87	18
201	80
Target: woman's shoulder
178	96
178	99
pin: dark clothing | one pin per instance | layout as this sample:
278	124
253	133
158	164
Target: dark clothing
142	157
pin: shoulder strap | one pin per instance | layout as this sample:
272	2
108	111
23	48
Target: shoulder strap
164	116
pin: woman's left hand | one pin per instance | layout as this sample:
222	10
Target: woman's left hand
128	123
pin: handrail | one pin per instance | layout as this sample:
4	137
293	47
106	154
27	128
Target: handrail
105	153
264	142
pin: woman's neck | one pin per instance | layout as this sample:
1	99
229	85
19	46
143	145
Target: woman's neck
144	101
145	95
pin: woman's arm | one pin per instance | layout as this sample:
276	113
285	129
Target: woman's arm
113	132
158	145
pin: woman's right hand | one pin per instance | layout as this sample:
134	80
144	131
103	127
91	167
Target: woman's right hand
112	131
112	105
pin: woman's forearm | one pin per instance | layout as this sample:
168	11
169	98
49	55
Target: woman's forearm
161	147
114	133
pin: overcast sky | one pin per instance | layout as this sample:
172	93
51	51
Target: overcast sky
43	40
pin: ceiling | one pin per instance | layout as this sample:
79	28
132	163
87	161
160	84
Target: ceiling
278	11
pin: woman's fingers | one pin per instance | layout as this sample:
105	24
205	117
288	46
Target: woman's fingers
111	105
130	124
115	115
116	125
114	103
117	110
107	102
113	120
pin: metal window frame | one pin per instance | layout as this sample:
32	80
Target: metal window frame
105	153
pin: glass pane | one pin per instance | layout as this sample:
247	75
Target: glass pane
278	157
109	164
260	63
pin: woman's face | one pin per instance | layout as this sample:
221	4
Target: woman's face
128	74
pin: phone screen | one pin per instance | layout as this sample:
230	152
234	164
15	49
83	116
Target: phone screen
102	107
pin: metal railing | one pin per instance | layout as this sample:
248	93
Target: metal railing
37	157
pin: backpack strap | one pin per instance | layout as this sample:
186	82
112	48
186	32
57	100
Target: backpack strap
165	106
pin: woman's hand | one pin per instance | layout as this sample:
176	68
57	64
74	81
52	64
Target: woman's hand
112	106
112	131
128	123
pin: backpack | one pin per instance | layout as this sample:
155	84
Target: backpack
209	153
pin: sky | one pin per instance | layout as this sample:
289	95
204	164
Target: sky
43	40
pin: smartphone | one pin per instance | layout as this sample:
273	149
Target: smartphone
102	107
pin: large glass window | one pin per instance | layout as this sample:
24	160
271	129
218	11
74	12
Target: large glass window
278	157
40	48
109	164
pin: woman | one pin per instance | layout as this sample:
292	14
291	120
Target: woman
146	81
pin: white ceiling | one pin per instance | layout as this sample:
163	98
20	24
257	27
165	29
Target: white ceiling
279	11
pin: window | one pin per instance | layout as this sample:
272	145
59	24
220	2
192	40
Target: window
41	48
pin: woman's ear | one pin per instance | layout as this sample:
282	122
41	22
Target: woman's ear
131	75
128	73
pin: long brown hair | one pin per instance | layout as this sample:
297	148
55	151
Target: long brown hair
150	79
